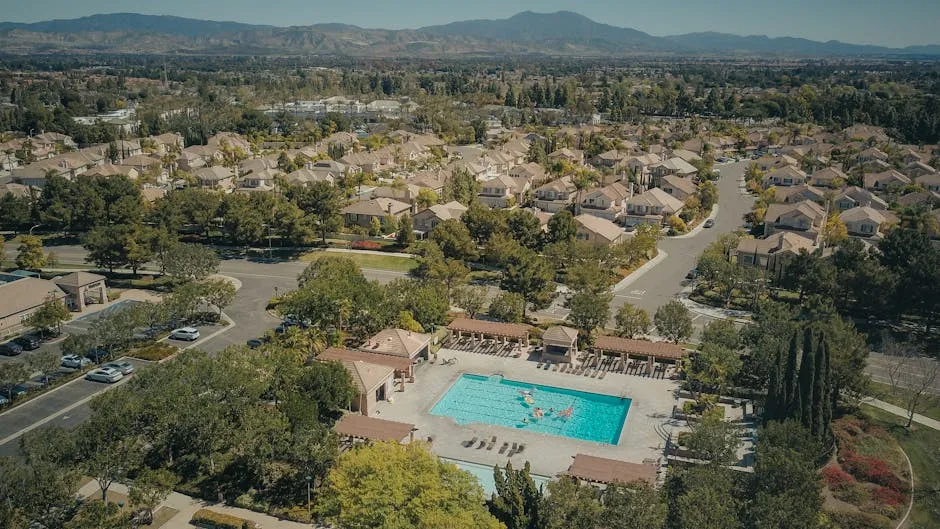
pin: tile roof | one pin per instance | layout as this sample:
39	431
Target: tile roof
599	226
78	279
25	294
396	342
344	355
560	335
494	328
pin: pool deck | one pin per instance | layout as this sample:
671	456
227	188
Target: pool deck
549	455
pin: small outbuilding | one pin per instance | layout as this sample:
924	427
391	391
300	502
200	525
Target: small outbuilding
559	344
83	288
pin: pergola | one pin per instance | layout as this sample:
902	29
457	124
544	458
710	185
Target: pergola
355	426
607	471
505	332
651	351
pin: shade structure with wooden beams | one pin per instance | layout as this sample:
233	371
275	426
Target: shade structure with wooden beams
490	329
651	351
402	366
372	429
607	471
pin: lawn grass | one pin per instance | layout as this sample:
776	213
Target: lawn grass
921	445
929	408
367	260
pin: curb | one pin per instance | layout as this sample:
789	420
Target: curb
638	273
701	226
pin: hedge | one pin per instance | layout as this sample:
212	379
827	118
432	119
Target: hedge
217	520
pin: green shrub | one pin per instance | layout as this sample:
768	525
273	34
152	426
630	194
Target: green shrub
853	493
154	352
217	520
114	295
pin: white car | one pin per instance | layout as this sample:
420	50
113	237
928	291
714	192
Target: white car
125	367
105	374
74	361
189	334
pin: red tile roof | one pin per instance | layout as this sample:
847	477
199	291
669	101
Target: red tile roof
362	427
639	347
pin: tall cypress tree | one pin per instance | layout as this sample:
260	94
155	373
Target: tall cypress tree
819	388
806	376
775	406
789	408
826	401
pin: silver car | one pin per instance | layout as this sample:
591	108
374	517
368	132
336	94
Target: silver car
74	361
126	368
186	333
105	374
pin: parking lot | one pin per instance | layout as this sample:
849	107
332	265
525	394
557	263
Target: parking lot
52	408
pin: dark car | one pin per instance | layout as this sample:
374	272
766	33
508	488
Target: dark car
10	349
13	391
254	343
28	342
98	354
709	223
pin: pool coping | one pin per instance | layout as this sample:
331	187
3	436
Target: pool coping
460	373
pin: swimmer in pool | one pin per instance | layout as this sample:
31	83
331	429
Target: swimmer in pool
525	420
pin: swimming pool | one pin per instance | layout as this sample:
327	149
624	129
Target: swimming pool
501	402
484	475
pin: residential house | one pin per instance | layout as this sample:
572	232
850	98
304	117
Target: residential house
930	182
49	138
653	206
609	158
918	169
555	195
108	169
145	165
127	148
679	187
773	253
792	195
686	155
166	143
828	177
919	198
361	213
503	191
608	202
531	171
305	177
883	181
853	197
805	216
260	180
230	140
215	178
673	166
434	180
769	163
866	221
574	156
597	230
428	219
785	176
910	156
640	165
151	194
865	133
872	154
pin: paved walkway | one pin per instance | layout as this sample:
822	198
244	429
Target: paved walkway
187	505
901	412
739	316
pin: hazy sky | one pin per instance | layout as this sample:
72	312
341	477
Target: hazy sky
884	22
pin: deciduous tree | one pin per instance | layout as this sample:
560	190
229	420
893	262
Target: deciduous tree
673	321
632	321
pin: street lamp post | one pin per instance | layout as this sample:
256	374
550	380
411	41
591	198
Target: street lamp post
307	478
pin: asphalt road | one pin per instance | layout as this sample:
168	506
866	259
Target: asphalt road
879	365
660	284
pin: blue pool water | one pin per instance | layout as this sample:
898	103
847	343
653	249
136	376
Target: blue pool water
495	400
484	475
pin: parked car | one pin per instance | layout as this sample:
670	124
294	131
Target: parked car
3	400
13	390
10	349
254	343
29	342
189	334
692	273
125	367
105	374
98	354
709	223
74	361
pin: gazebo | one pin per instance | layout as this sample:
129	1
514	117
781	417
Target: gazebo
560	343
650	351
501	332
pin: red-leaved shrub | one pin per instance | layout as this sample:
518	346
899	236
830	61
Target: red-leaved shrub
366	245
836	478
873	470
887	496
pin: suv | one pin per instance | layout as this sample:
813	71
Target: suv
28	342
10	349
186	333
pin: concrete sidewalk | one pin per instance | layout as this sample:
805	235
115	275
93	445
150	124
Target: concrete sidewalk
187	506
738	316
901	412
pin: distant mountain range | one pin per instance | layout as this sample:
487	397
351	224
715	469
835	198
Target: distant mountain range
548	34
